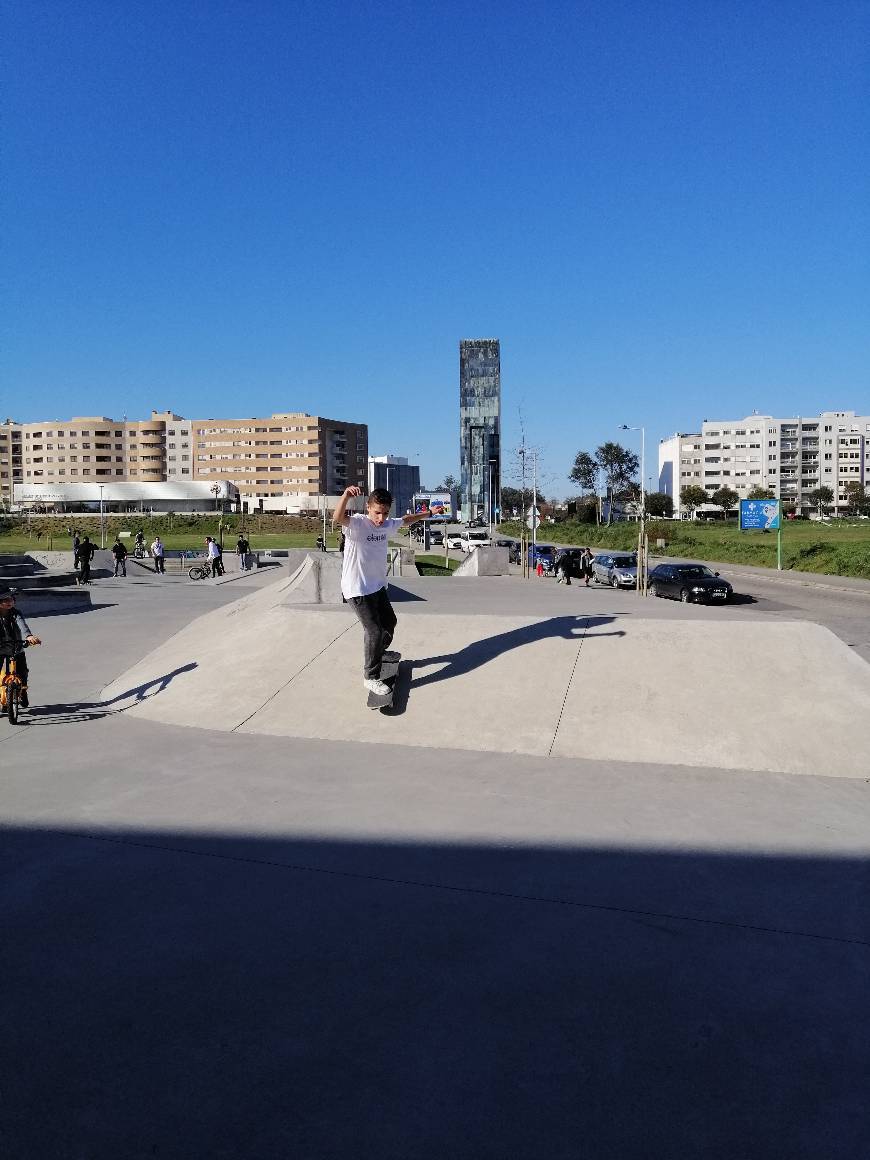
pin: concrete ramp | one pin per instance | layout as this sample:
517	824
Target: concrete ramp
485	562
702	693
317	580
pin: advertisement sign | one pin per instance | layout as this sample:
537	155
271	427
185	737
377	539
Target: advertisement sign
759	514
436	505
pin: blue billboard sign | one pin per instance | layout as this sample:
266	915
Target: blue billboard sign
760	514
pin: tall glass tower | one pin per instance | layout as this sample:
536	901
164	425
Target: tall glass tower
480	428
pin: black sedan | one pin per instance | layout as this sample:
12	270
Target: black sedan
689	582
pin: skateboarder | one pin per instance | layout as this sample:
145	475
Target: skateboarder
364	576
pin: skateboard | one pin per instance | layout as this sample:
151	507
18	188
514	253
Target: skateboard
389	670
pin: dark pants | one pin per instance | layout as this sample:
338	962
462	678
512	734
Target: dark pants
121	567
379	622
85	573
159	565
217	566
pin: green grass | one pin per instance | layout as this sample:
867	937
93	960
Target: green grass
176	532
837	548
434	566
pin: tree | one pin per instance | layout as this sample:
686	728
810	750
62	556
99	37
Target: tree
512	500
761	493
584	472
725	498
691	497
619	467
448	483
856	494
821	497
658	503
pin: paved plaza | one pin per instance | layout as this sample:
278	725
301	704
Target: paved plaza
598	887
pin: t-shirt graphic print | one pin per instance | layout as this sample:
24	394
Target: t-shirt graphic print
365	555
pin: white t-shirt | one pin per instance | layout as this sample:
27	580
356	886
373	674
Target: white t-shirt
364	570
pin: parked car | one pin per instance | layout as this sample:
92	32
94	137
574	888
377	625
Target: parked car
436	536
623	573
454	541
605	563
545	553
689	582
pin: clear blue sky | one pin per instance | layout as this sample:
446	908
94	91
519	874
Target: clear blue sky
662	209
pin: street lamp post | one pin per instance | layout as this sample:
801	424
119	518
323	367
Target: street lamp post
102	525
625	427
641	554
215	489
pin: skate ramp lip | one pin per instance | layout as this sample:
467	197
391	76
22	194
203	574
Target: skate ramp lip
607	687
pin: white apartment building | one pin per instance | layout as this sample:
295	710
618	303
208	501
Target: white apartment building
792	457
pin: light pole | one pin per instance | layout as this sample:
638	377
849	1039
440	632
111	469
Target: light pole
102	525
625	427
641	552
215	490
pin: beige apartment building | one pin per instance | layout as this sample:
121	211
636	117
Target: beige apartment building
283	463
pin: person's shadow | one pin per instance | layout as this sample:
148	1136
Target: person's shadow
93	710
480	652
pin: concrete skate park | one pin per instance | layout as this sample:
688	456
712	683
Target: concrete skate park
597	886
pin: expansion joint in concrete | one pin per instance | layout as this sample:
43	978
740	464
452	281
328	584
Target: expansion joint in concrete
298	673
568	688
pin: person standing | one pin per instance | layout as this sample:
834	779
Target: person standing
213	550
86	554
364	576
120	554
586	558
76	544
242	550
159	554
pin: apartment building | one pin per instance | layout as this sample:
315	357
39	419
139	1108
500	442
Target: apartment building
282	463
84	449
792	457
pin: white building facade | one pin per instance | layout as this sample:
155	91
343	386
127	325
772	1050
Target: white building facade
791	457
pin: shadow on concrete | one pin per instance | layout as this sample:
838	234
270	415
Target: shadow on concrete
209	995
94	710
399	595
76	608
480	652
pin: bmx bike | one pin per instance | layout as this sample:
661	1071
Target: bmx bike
11	687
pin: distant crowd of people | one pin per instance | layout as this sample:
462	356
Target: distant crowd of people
83	554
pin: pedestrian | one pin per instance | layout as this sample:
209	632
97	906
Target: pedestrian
159	554
86	554
76	544
120	554
15	636
586	559
242	550
320	544
364	576
213	551
540	568
563	569
342	540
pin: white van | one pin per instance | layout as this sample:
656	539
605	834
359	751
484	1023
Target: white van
475	538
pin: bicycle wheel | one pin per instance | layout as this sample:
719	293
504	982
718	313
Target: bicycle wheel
12	695
197	573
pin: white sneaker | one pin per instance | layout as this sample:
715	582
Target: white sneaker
379	688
